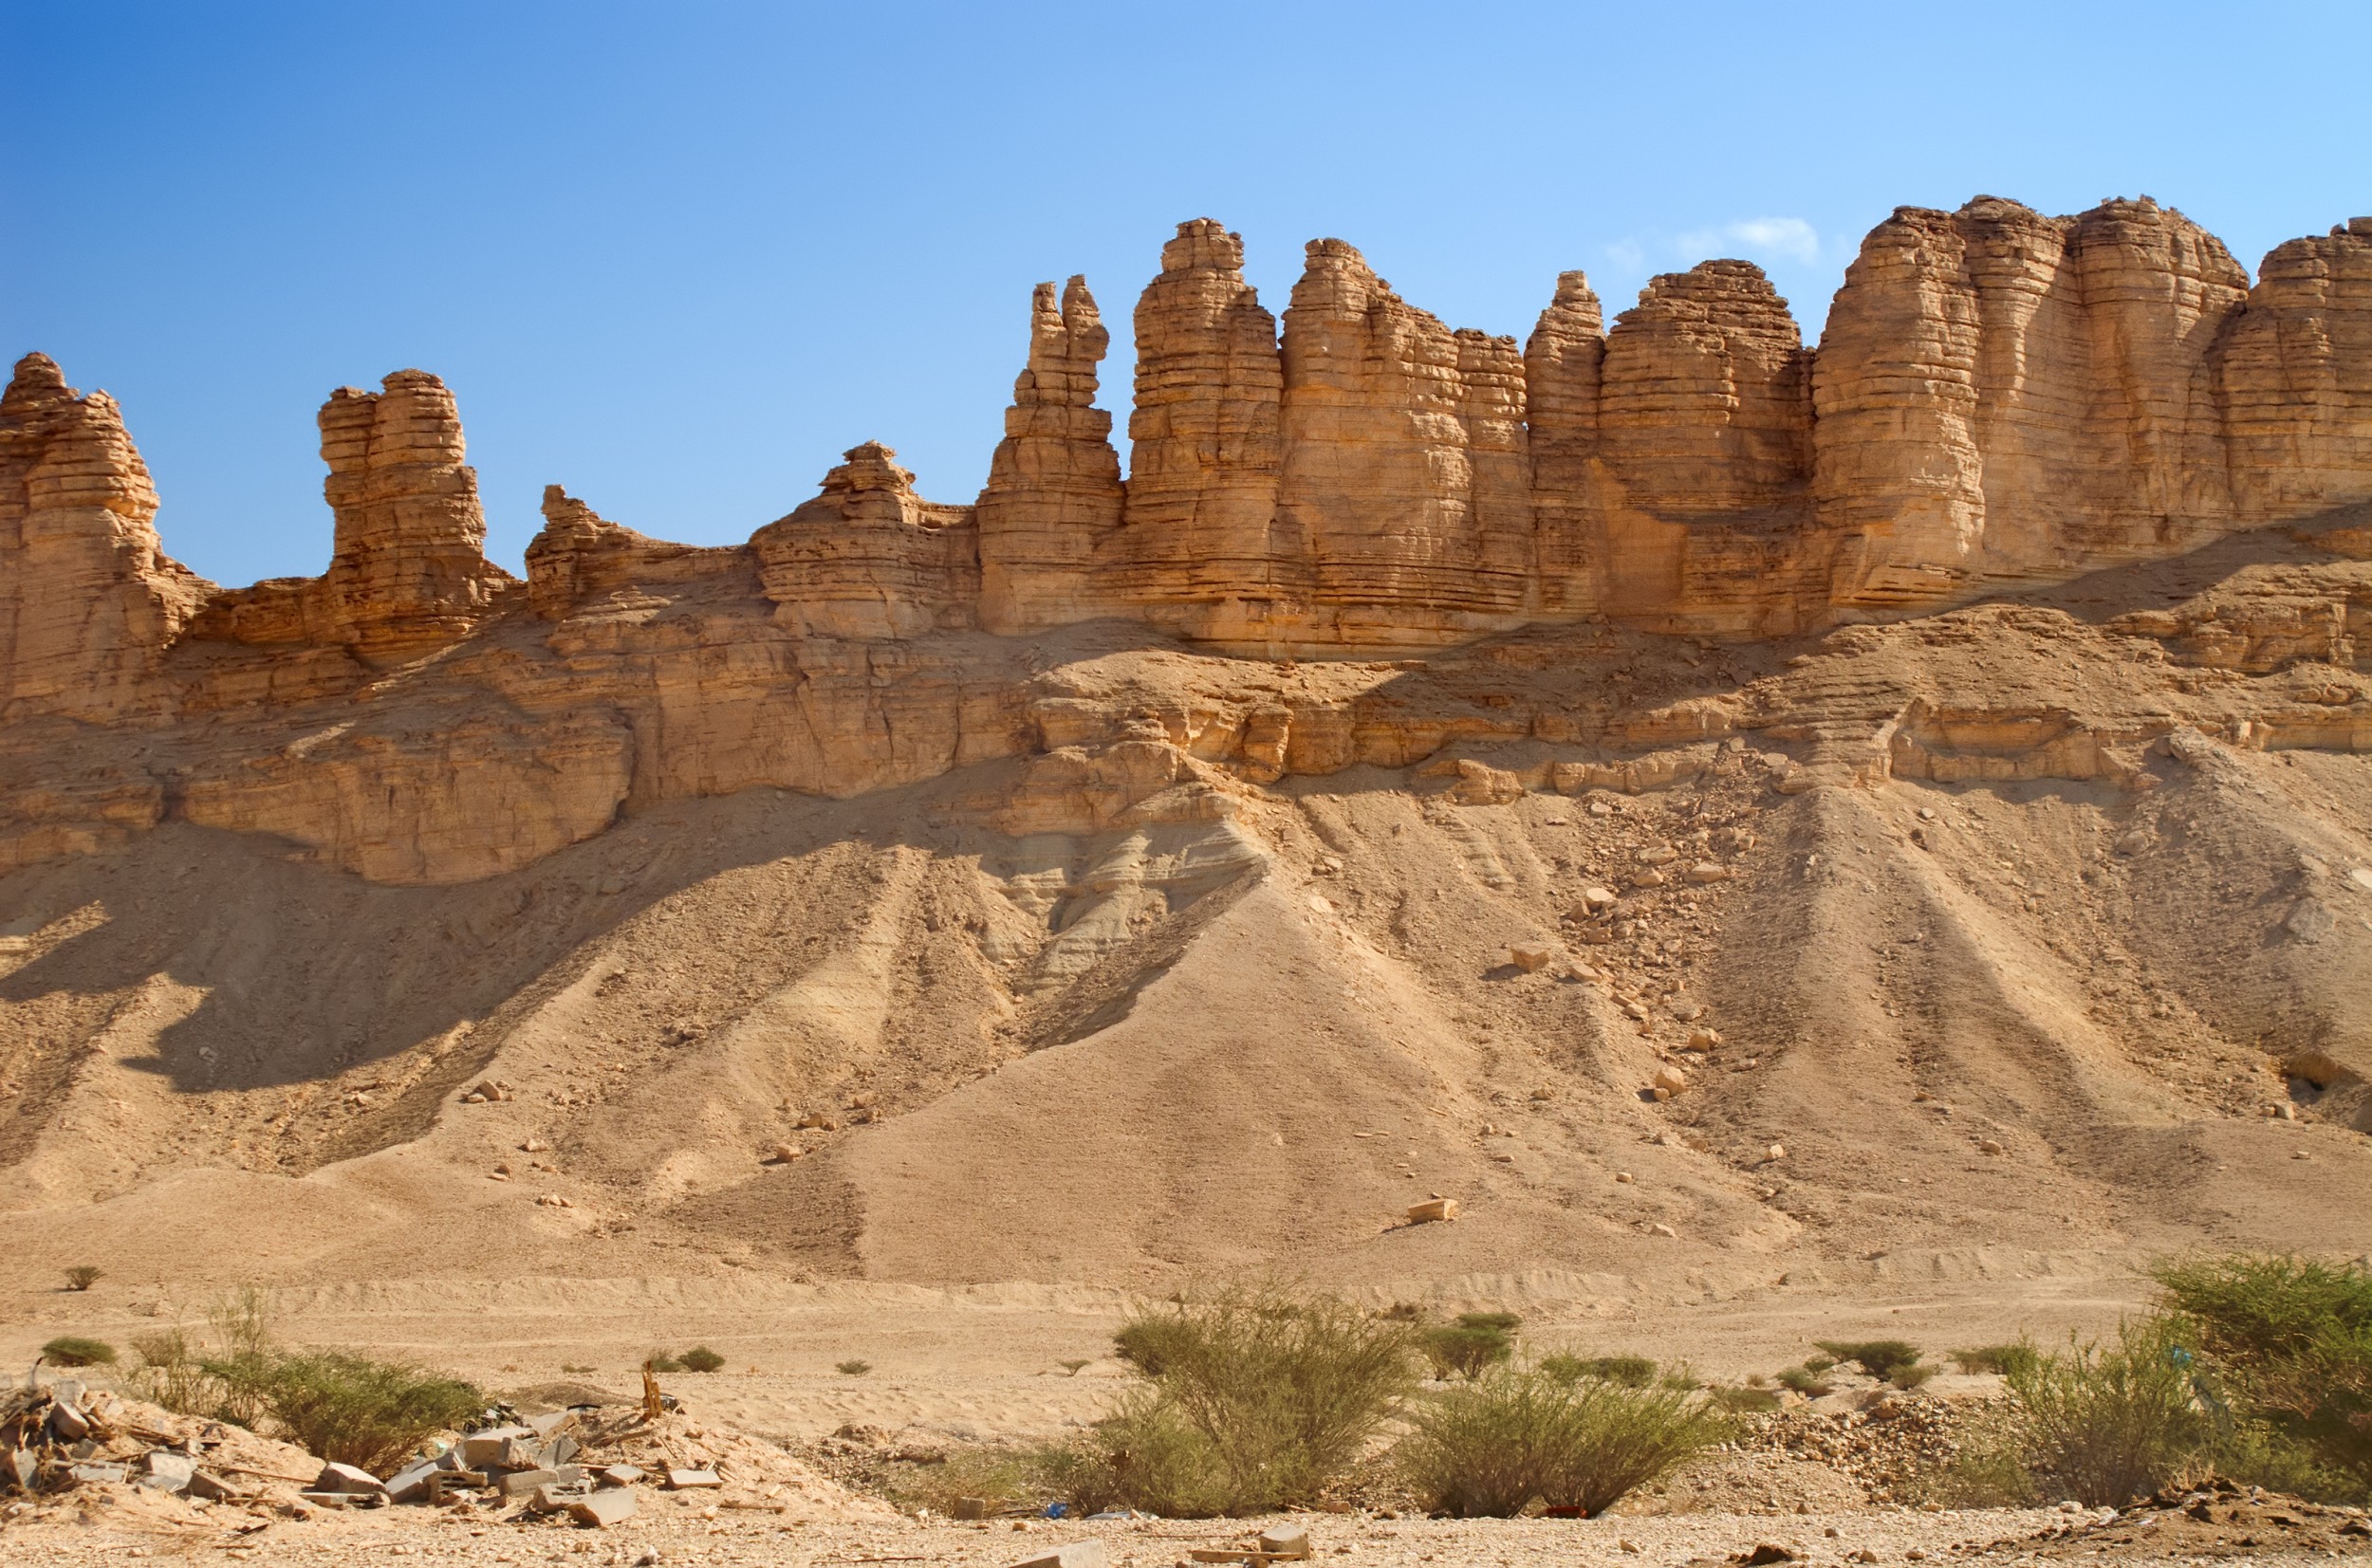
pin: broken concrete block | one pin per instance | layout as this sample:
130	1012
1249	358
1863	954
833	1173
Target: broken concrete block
1077	1553
166	1471
97	1470
1285	1540
561	1449
520	1483
684	1480
350	1479
971	1507
411	1484
618	1475
1437	1209
214	1489
67	1424
603	1509
18	1464
552	1422
444	1483
481	1449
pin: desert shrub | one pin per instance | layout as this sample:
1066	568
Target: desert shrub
660	1360
1997	1358
1470	1346
221	1379
1631	1371
701	1359
1742	1401
2101	1425
82	1277
852	1369
1006	1477
168	1373
2292	1341
1494	1446
1881	1358
70	1350
1803	1381
355	1410
1912	1375
1256	1398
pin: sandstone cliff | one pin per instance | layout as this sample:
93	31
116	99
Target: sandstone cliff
88	600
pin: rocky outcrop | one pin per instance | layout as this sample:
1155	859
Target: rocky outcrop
1563	367
409	570
2006	395
1197	543
581	557
1053	496
88	600
1404	503
868	558
2295	379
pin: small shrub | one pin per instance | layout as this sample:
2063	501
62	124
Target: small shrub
701	1359
1631	1372
1805	1381
1881	1358
1457	1349
73	1351
1492	1447
659	1361
853	1369
578	1372
1072	1366
1256	1398
2105	1425
1913	1376
1997	1358
1004	1476
1744	1401
1818	1364
82	1277
169	1374
355	1410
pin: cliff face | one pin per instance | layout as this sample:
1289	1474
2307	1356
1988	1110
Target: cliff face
88	600
2003	400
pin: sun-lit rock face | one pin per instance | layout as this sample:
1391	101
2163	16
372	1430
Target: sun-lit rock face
88	600
2003	400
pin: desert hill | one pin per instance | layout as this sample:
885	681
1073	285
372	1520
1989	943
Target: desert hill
1733	816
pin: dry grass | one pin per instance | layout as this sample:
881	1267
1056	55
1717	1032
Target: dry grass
1521	1436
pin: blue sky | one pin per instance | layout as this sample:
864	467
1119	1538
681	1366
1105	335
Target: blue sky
677	256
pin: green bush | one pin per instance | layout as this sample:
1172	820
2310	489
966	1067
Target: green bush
1256	1398
1744	1401
1881	1358
659	1361
1631	1371
71	1350
1803	1381
852	1369
701	1359
1006	1477
355	1410
1470	1346
2103	1426
1997	1358
1497	1444
2291	1340
1913	1376
83	1276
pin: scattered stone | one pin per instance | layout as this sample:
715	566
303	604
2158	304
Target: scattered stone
1285	1542
1437	1209
1531	956
1076	1554
602	1509
348	1479
690	1479
1706	871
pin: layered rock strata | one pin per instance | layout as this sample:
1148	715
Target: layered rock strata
88	599
869	558
2003	400
1054	493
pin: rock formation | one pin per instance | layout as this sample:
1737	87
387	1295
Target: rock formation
88	600
868	558
1053	496
2004	400
1204	444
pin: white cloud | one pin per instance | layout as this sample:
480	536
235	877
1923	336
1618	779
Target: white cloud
1791	238
1627	254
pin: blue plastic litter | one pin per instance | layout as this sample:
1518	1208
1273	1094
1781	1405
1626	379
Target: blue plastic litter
1057	1510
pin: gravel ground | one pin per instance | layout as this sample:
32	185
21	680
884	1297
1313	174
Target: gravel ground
112	1528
